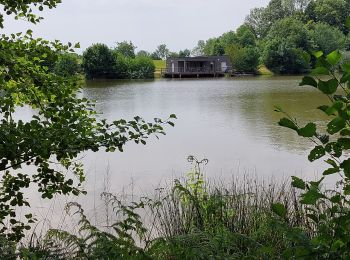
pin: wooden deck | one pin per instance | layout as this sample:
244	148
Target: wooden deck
191	72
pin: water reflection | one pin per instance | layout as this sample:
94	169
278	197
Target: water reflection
230	121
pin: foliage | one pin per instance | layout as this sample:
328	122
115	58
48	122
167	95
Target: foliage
243	59
284	47
245	36
326	38
143	53
184	53
199	49
67	65
189	220
161	53
127	49
140	68
281	56
24	9
99	62
61	127
331	240
332	12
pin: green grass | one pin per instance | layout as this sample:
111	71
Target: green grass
262	70
160	64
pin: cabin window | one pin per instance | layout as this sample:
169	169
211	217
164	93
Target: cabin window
223	66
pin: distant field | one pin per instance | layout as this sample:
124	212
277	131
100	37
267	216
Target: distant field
160	64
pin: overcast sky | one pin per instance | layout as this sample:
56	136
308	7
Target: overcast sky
147	23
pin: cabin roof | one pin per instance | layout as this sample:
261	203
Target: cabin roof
200	58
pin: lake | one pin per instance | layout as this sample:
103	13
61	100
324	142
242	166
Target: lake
231	122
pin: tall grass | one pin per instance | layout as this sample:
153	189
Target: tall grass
194	218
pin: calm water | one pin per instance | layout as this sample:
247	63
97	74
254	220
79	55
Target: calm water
231	122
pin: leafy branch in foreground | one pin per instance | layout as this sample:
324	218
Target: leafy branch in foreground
332	237
61	127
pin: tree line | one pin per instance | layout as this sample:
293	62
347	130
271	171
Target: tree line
279	34
276	36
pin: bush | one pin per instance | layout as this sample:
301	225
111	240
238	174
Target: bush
67	65
284	47
282	56
243	59
331	239
140	68
99	62
326	38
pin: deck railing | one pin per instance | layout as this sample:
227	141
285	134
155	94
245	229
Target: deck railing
178	70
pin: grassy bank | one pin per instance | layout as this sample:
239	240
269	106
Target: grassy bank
159	64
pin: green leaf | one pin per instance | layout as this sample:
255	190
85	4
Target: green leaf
317	54
317	153
285	122
306	57
345	165
347	22
331	171
332	162
337	105
344	143
328	87
346	190
311	197
308	81
345	78
279	209
336	125
173	116
334	57
337	245
346	67
320	71
298	183
308	131
345	132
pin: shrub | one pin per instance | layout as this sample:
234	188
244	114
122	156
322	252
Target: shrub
67	65
243	59
140	68
99	62
331	239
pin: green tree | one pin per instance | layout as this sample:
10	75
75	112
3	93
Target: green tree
67	65
245	36
326	38
99	62
143	53
184	53
284	47
243	59
257	21
62	126
162	52
199	49
218	49
333	12
140	68
126	48
228	38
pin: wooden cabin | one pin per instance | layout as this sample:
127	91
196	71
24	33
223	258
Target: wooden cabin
209	66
